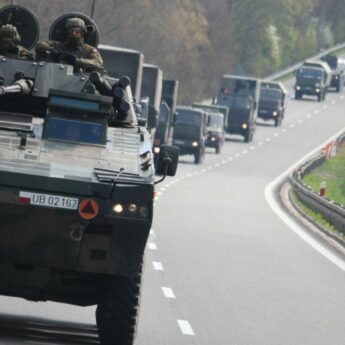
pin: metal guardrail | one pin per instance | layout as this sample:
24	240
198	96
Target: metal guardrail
330	210
289	70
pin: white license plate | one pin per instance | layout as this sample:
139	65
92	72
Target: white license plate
181	142
48	200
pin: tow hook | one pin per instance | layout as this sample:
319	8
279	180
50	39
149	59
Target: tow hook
77	231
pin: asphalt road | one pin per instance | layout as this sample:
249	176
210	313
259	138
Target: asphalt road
221	266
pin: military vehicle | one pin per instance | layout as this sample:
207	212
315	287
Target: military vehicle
313	78
338	72
272	103
215	131
165	127
217	123
151	88
241	95
77	183
190	132
119	61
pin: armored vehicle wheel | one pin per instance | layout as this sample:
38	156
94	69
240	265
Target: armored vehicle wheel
116	314
298	95
218	148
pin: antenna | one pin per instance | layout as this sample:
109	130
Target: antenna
93	8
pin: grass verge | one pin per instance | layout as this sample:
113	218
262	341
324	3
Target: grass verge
316	217
333	173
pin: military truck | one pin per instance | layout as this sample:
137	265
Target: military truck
77	183
167	111
241	95
313	78
151	88
272	103
217	123
119	61
338	72
190	132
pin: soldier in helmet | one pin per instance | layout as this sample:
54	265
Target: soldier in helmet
9	43
74	50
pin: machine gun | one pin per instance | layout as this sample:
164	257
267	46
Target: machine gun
119	90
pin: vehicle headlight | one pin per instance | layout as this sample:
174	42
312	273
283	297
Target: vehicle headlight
195	144
317	90
298	87
156	150
118	208
131	210
275	113
213	139
336	77
244	125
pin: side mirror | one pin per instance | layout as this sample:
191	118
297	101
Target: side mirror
167	160
214	100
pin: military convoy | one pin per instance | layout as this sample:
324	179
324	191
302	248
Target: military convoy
313	78
77	182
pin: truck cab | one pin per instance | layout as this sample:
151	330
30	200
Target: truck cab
272	103
190	132
313	78
241	96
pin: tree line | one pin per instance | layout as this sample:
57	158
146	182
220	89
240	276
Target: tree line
196	41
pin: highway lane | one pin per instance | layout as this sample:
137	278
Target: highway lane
237	273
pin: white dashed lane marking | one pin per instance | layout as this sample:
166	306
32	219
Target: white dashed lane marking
252	147
168	292
284	130
292	125
268	139
276	135
152	246
157	266
260	143
185	327
245	152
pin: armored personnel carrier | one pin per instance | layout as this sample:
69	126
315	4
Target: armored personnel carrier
77	183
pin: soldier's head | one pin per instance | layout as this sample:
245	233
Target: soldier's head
75	28
9	36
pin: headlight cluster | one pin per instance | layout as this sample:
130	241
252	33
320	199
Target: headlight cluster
275	113
130	210
298	87
156	149
213	138
317	90
195	144
244	125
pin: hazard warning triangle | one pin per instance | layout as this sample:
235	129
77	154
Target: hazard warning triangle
88	209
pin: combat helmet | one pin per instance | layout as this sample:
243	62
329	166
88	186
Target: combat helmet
11	31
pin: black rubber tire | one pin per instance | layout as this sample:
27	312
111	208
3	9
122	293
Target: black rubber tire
248	137
298	95
117	312
218	148
278	121
197	157
319	97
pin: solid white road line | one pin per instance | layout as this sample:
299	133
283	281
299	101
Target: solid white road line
185	327
290	221
168	292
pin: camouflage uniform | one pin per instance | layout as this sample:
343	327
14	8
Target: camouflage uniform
9	43
84	56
